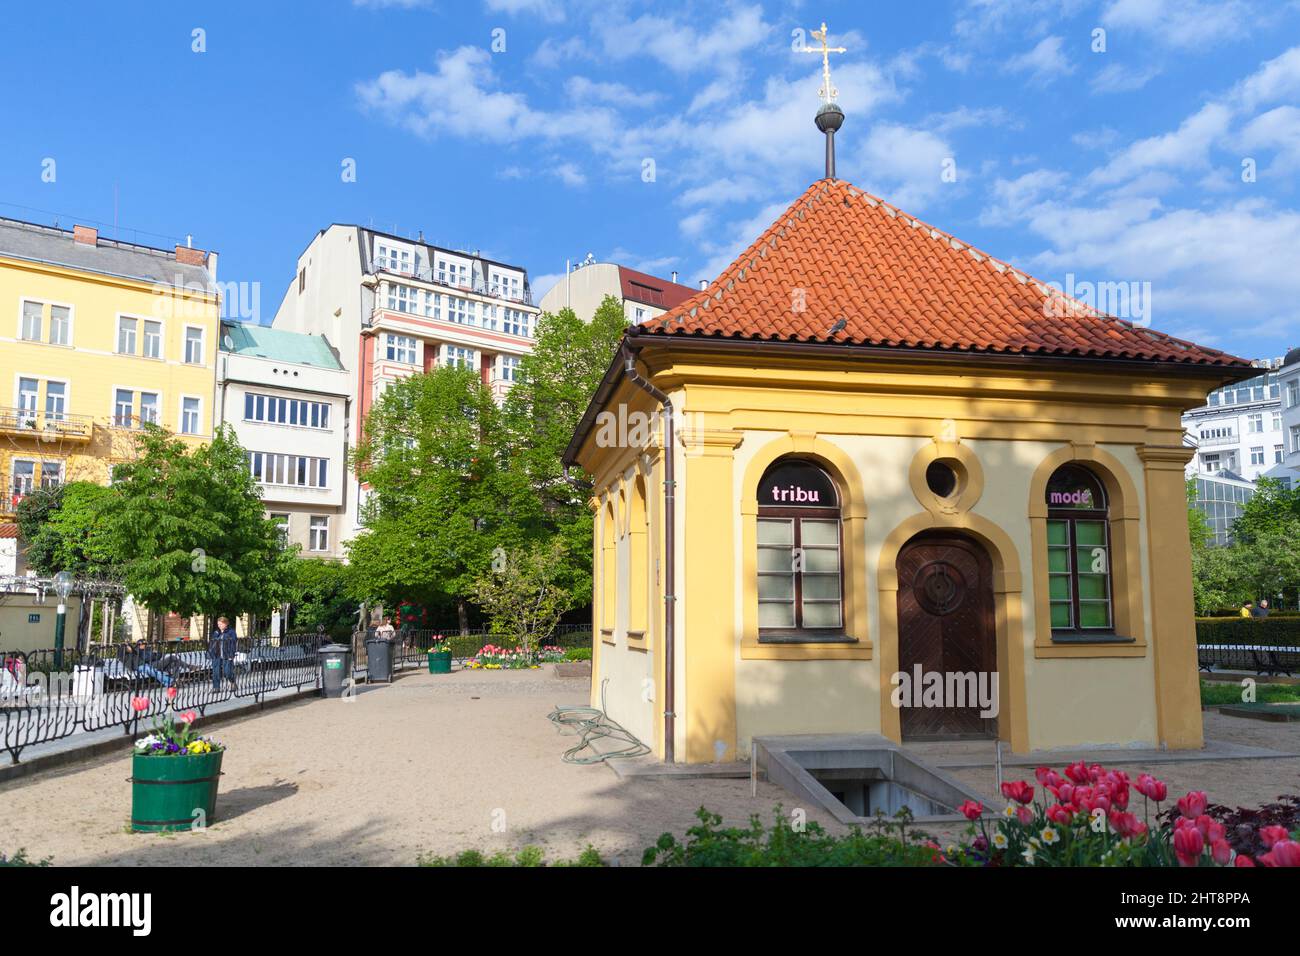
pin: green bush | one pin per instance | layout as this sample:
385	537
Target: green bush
21	859
529	856
578	654
710	844
1279	631
1218	693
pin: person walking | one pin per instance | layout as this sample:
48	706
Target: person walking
1261	610
1248	609
222	647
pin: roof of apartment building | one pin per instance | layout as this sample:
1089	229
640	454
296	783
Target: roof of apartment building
84	249
651	290
261	341
842	266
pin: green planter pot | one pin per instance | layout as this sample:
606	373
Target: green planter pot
166	791
440	662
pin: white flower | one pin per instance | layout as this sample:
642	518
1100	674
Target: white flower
1028	855
1050	835
1000	840
1010	811
144	743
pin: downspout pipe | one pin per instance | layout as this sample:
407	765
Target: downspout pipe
670	553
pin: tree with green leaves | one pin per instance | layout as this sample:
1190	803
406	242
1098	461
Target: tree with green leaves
64	530
323	595
442	495
188	529
524	592
1270	508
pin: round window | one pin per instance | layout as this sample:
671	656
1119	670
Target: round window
941	479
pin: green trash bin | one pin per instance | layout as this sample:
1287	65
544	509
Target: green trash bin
335	669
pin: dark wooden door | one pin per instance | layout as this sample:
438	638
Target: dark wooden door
946	625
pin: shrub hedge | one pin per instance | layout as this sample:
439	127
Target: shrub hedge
1279	631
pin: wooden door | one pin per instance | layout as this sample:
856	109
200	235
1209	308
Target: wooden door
946	625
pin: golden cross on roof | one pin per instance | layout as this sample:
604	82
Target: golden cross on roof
828	93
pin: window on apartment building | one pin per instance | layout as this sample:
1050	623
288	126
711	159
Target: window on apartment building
302	279
22	476
638	315
60	325
126	329
1295	438
1277	421
193	345
190	416
459	357
402	298
1293	393
56	401
152	339
488	315
123	407
393	259
399	348
1257	455
508	368
452	273
28	395
319	533
281	522
274	410
1210	463
516	322
149	408
1255	423
294	470
1278	454
51	473
460	310
33	313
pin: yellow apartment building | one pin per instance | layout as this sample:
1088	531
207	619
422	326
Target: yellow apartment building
97	337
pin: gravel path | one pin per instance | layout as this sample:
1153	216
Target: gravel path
446	763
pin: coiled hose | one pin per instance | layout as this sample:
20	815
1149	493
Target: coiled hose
590	724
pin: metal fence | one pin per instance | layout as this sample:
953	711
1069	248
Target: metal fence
47	695
1249	656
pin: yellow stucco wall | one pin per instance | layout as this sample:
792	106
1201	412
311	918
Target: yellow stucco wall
92	368
874	423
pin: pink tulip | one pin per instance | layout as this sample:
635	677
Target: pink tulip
971	810
1126	824
1221	852
1078	772
1243	860
1151	788
1188	844
1271	835
171	693
1024	815
1048	777
189	717
1284	853
1060	814
1019	791
1194	804
139	704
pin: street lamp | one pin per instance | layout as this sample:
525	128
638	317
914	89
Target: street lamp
63	582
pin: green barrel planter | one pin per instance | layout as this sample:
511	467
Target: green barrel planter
166	791
440	662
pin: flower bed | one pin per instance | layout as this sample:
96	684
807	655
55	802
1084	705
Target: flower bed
1087	822
493	658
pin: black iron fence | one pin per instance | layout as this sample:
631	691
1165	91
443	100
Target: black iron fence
1250	657
48	695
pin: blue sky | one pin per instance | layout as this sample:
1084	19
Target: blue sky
1078	165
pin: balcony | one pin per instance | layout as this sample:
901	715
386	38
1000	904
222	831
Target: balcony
477	286
46	426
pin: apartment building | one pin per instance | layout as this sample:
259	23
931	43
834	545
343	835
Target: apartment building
104	337
394	306
585	286
1288	469
285	394
1239	429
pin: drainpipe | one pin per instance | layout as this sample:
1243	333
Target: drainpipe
670	553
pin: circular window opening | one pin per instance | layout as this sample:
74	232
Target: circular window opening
941	479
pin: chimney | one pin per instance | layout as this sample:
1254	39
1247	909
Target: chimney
674	277
191	257
85	235
704	284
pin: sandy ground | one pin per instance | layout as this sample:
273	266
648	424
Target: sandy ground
443	764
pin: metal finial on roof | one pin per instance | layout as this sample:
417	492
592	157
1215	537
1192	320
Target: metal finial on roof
829	117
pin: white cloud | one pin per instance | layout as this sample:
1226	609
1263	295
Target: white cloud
550	10
905	165
1279	130
1276	79
569	174
681	46
581	88
1117	78
1013	198
1187	147
1045	62
1182	24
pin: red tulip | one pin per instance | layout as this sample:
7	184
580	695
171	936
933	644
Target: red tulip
1271	835
1019	791
1126	824
1152	788
171	693
1221	852
1284	853
189	717
1078	772
1060	814
139	704
1025	815
971	810
1047	777
1243	860
1188	844
1194	804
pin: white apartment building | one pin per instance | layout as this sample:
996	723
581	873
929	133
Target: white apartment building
585	286
1288	470
286	395
1239	429
394	306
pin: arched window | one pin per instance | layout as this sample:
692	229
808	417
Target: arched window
800	560
1078	552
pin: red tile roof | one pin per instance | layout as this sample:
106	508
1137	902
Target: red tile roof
895	281
651	290
8	530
